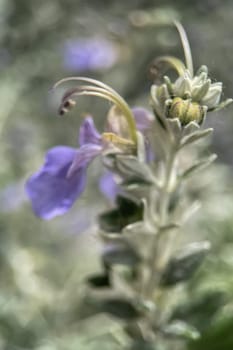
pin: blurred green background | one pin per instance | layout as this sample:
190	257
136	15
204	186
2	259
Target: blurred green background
43	264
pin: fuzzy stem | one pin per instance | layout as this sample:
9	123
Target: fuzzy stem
156	263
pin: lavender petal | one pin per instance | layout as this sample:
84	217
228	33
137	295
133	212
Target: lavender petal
143	118
88	133
83	156
51	192
108	186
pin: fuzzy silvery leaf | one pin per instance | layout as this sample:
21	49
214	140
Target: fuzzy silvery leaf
182	266
162	120
190	128
126	212
175	127
134	182
159	95
120	308
182	85
136	189
202	70
181	329
190	210
198	166
119	254
169	85
200	91
130	167
221	105
195	136
213	96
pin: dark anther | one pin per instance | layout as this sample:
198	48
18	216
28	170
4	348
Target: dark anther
66	106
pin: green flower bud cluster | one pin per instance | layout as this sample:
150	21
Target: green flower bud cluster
189	98
186	111
199	88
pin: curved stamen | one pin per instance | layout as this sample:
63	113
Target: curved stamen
85	79
99	92
186	46
170	62
87	92
104	91
85	88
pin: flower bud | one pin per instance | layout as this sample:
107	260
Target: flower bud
162	94
213	96
182	86
200	78
200	91
186	111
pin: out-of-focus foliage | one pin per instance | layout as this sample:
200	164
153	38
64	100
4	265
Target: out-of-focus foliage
43	265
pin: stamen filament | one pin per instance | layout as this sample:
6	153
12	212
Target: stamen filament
172	62
99	92
104	91
186	47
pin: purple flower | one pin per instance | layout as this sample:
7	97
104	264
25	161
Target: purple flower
56	186
108	186
61	180
89	54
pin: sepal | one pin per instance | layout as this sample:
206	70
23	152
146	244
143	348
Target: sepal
120	254
181	329
182	266
195	136
198	166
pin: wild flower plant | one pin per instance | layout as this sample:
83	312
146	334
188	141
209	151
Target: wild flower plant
144	155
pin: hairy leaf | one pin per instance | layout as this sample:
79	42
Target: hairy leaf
120	254
185	263
181	329
195	136
198	166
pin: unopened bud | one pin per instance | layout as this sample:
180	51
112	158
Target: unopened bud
213	96
186	111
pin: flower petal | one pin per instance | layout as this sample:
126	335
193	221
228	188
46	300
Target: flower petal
83	156
143	118
117	123
51	192
88	132
108	186
150	156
